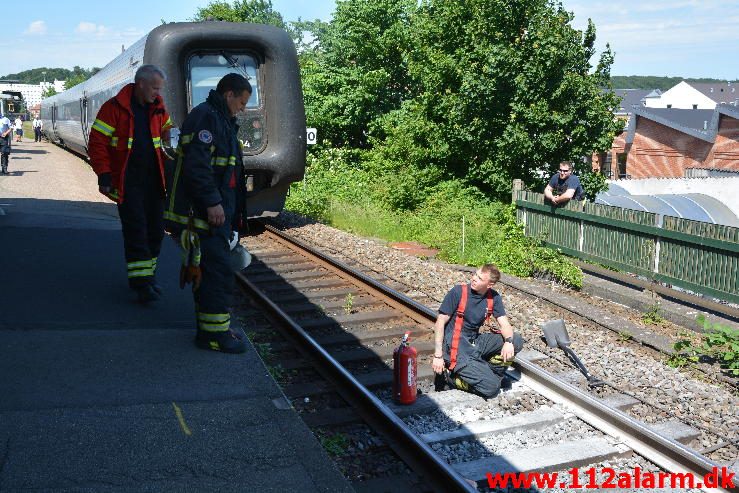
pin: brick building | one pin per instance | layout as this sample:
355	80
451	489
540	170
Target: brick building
664	143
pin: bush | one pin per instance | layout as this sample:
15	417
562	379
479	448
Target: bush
719	343
360	193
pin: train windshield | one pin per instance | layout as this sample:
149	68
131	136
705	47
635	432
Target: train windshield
206	69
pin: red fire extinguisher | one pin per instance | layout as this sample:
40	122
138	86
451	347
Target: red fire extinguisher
404	372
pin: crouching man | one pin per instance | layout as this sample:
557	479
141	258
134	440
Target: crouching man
469	360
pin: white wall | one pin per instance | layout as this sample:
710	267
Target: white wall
32	92
722	189
682	96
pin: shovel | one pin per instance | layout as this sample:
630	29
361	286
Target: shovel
556	335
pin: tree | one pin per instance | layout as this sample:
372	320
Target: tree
255	11
506	91
358	72
48	92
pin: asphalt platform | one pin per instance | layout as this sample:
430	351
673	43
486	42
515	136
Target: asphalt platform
99	393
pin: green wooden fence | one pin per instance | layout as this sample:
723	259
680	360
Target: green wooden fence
701	257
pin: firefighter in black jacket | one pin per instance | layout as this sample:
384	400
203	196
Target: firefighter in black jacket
207	197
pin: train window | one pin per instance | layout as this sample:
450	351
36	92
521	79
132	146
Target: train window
207	69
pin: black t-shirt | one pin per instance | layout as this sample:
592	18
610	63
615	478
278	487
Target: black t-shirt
142	167
560	186
474	313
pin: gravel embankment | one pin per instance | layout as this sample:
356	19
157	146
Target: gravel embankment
628	366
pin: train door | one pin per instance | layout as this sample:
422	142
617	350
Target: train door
54	117
84	120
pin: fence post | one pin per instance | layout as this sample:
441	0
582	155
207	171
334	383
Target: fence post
658	223
519	187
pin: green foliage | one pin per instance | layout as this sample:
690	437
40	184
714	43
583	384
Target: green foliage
348	303
255	11
719	343
653	315
335	444
624	336
352	192
38	75
358	73
48	92
592	183
652	82
503	91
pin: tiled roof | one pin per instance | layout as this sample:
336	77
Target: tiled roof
721	92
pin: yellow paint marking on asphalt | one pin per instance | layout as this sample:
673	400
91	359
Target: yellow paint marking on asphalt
181	419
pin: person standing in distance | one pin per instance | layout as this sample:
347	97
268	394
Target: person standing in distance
37	127
6	131
208	196
125	149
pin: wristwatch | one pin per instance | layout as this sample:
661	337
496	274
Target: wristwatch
508	339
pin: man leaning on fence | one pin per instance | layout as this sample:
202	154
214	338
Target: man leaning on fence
563	186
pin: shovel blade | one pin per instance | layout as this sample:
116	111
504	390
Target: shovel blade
555	333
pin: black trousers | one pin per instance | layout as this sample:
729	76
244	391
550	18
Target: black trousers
213	297
142	220
5	152
37	134
484	377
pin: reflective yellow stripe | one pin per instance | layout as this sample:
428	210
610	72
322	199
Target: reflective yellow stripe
139	264
167	124
157	142
113	194
114	141
186	139
222	327
214	317
103	128
141	273
223	161
130	142
199	223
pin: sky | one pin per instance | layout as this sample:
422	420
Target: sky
688	38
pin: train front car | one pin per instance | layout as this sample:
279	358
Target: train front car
196	56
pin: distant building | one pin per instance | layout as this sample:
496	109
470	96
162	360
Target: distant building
631	98
696	96
32	93
674	143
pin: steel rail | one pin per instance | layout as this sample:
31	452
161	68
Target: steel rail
415	452
667	453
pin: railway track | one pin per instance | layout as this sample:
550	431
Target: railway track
346	325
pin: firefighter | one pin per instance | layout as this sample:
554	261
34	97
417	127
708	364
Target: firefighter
125	149
207	197
6	130
469	360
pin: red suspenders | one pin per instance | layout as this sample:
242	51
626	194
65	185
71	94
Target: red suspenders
459	321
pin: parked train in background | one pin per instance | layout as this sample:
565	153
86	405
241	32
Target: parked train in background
195	55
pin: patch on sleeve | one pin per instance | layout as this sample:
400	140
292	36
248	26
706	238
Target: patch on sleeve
205	136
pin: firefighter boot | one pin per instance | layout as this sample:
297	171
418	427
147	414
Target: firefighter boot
229	341
146	294
455	382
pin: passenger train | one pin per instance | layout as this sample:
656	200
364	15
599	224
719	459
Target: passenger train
194	56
